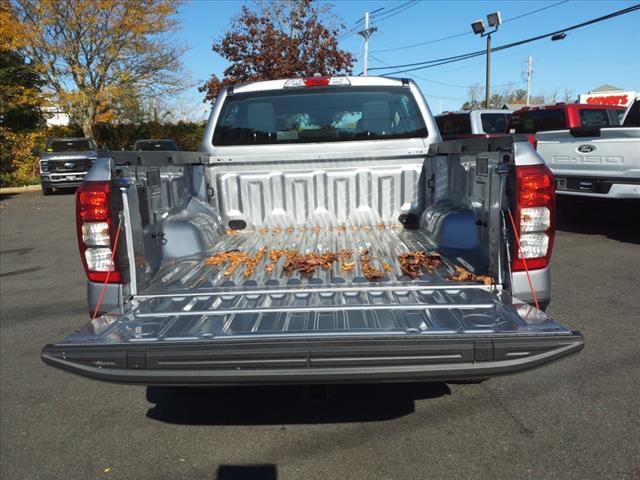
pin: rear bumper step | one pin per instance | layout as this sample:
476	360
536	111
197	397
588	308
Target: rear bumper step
312	361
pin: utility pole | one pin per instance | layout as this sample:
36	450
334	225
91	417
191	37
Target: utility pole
529	73
366	33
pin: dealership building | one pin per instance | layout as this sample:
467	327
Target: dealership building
608	95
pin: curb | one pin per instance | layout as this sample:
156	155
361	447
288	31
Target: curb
27	188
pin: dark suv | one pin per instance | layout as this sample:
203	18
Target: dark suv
65	161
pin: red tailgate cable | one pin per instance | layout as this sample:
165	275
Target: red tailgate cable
106	280
524	261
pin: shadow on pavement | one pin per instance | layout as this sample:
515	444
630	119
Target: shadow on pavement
278	405
247	472
616	219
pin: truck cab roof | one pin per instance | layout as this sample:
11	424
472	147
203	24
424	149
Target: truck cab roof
316	81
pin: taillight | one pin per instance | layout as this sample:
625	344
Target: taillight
96	232
535	217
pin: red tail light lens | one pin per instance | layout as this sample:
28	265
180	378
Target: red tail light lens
535	217
96	232
93	201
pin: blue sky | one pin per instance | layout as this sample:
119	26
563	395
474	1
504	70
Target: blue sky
607	52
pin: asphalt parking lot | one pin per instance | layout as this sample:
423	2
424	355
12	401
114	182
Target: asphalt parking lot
576	419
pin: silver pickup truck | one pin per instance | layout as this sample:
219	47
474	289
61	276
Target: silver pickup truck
65	161
596	162
322	234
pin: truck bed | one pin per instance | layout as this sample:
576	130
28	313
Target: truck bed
384	244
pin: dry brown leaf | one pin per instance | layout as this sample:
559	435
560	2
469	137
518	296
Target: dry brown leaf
412	263
461	274
368	270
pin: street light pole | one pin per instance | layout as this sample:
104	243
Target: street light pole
493	20
488	74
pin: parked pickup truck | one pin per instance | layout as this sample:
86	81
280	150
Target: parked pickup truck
473	123
152	145
65	161
596	162
323	233
531	120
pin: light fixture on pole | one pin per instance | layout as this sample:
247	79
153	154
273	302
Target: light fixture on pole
493	20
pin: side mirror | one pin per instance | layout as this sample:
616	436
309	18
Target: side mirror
35	151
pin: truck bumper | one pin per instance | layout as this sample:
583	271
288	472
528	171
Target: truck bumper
313	361
70	180
614	188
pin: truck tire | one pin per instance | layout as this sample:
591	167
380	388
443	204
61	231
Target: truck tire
47	191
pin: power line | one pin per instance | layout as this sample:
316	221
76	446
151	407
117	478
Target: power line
386	15
462	34
456	58
372	13
391	13
445	83
526	14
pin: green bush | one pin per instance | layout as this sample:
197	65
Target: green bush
122	136
18	165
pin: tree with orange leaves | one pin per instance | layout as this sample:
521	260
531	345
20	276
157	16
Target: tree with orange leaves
285	38
96	54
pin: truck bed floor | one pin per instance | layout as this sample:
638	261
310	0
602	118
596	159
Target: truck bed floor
384	244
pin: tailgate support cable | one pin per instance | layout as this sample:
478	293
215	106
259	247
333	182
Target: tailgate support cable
524	260
106	279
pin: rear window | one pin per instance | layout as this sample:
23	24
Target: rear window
155	145
633	117
69	146
454	124
533	121
494	122
591	117
330	114
618	115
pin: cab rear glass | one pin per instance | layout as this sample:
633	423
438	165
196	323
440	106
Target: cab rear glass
592	117
318	114
495	122
155	145
533	121
69	146
454	124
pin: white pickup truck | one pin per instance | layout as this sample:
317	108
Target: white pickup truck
596	162
323	233
488	123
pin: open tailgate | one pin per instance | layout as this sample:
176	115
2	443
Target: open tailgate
306	334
